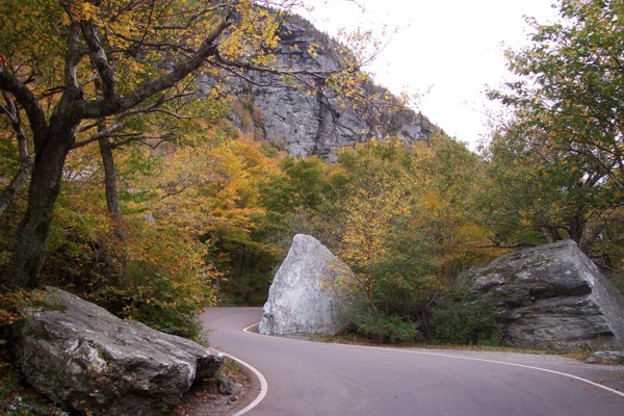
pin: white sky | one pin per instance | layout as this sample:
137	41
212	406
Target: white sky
446	51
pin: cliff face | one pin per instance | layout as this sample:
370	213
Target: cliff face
307	124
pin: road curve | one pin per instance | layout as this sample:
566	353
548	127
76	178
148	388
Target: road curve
309	378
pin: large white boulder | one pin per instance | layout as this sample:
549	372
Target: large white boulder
311	292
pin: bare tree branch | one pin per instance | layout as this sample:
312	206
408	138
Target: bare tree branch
103	133
72	58
99	60
189	22
161	46
26	160
115	105
25	97
119	124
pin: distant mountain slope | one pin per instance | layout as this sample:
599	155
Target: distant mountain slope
304	124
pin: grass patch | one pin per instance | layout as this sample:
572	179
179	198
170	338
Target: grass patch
232	370
351	339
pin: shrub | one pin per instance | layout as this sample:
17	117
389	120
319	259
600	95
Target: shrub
618	282
172	313
458	318
370	323
471	323
165	282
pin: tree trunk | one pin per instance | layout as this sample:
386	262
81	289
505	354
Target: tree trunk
112	201
16	184
110	173
110	182
578	224
44	189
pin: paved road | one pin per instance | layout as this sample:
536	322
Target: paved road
309	378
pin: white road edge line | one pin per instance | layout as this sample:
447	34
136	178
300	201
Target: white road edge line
264	386
559	373
247	328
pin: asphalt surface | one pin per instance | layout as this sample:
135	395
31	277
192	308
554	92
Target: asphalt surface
310	378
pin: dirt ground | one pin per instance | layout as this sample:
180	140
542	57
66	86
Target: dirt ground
205	399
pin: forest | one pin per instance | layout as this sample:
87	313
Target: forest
120	183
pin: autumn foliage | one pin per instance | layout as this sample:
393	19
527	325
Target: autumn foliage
142	196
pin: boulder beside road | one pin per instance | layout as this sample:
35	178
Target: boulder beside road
310	292
78	354
552	296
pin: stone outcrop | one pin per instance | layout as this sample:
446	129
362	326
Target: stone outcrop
78	354
552	296
309	293
606	357
307	124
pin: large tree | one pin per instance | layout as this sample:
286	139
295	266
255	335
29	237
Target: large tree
78	68
570	91
558	166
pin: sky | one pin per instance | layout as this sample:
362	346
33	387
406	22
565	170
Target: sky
447	52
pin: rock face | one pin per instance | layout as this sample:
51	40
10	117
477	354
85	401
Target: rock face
77	353
308	292
552	296
305	123
608	357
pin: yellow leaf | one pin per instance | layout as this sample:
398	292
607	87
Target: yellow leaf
65	19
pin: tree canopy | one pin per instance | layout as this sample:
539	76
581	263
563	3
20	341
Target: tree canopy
558	164
73	72
571	87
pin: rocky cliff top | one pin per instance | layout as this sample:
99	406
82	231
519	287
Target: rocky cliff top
306	124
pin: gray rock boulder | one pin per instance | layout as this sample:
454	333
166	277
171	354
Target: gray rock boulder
552	296
310	292
606	357
77	353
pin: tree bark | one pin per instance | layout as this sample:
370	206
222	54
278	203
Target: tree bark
578	225
44	188
110	184
16	184
110	176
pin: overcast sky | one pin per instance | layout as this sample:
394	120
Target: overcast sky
446	51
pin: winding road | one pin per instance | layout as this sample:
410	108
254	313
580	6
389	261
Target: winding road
310	378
